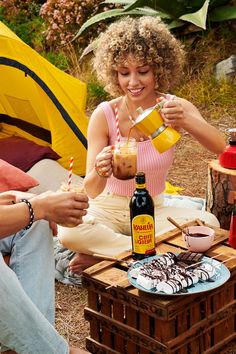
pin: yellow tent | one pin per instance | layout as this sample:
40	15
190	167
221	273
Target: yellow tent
40	102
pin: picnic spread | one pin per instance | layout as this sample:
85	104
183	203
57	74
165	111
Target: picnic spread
127	317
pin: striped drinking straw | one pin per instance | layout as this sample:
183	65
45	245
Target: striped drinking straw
70	172
117	124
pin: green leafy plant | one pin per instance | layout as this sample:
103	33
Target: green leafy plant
175	12
58	59
22	18
17	10
96	93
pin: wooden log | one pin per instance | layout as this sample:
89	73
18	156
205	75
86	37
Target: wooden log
221	191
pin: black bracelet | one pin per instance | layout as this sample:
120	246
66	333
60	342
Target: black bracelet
31	211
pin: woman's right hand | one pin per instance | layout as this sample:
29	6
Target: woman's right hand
103	162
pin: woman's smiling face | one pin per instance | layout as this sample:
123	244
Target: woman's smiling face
136	80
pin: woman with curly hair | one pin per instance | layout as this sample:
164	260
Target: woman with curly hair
139	61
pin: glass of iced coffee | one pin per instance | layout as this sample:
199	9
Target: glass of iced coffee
65	187
125	158
78	188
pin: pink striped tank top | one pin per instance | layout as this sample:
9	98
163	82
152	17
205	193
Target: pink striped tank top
150	161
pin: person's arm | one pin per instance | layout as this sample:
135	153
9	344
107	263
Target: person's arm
59	207
182	113
12	196
99	155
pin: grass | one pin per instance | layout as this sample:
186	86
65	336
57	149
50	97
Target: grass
199	84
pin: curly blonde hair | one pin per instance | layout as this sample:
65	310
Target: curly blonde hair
149	41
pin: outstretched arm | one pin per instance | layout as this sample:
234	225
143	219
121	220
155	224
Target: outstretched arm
59	207
181	113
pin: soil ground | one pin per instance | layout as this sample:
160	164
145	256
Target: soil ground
189	171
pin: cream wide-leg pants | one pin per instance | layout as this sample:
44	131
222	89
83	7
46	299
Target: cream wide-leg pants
106	227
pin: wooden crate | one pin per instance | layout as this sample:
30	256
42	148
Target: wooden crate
124	320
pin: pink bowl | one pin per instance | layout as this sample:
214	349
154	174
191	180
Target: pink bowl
199	243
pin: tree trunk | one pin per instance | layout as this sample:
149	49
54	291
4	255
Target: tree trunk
221	191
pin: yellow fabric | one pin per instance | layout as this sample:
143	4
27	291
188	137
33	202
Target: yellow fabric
31	89
170	189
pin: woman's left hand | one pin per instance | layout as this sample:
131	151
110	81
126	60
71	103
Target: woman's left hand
180	113
174	113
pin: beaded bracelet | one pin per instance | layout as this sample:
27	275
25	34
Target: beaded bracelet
31	211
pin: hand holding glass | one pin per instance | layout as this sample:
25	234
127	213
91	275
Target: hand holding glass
125	159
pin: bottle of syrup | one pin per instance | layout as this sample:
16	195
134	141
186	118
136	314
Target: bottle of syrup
232	230
142	220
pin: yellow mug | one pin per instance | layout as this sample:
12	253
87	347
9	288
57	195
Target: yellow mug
151	124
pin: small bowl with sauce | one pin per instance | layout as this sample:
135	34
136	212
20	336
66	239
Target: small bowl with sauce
199	238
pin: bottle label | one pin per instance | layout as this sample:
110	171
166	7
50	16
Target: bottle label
140	186
143	234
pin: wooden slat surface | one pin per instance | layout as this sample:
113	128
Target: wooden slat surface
180	324
132	334
170	241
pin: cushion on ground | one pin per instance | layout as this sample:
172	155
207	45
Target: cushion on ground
12	178
24	153
50	175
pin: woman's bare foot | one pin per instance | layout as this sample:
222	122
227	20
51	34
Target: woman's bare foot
82	261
